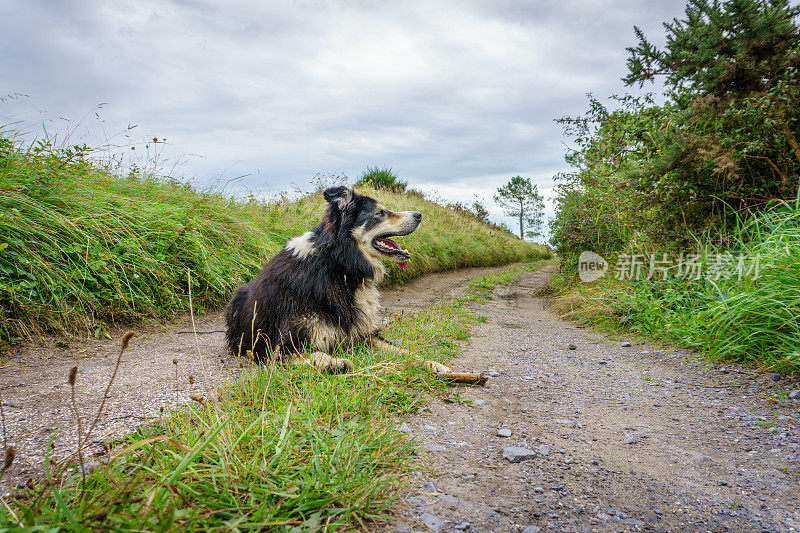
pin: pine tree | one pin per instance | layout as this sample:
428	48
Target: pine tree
730	48
521	199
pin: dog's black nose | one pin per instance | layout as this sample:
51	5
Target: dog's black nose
418	216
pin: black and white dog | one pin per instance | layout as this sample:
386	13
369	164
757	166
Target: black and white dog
321	291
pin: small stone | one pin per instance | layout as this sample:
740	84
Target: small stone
504	432
544	450
794	395
630	438
632	522
516	454
431	487
776	377
405	428
532	529
434	523
538	490
435	447
401	528
91	466
604	517
572	347
462	526
657	510
478	402
429	427
602	362
626	345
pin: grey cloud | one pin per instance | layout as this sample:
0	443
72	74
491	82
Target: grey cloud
447	93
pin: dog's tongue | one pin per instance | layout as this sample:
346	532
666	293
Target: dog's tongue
389	243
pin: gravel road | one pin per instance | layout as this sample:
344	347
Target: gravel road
579	432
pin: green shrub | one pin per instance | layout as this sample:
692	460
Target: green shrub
382	178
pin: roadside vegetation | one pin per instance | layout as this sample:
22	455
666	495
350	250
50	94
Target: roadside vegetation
283	448
708	169
82	247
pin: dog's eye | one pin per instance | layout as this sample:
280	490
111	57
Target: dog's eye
380	214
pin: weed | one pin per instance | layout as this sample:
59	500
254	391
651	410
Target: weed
456	397
780	392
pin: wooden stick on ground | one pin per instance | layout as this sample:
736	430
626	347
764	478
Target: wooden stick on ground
465	377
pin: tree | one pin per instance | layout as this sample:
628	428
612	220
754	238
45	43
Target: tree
480	211
521	199
721	145
729	48
732	70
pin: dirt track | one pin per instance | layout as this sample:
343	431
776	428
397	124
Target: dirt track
702	458
699	457
154	374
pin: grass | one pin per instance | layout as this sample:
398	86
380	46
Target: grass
82	247
752	320
282	448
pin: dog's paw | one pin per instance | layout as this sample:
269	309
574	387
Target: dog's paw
402	352
339	365
325	363
435	368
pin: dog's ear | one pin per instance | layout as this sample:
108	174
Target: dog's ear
338	196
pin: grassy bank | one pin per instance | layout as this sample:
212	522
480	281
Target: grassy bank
752	319
283	448
81	247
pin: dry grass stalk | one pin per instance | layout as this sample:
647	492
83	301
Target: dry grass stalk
86	438
175	366
73	374
206	383
3	422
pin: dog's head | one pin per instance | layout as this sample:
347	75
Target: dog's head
371	224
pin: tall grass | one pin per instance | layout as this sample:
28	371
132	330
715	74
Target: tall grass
82	247
749	319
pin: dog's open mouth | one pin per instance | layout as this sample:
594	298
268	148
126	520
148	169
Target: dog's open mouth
390	248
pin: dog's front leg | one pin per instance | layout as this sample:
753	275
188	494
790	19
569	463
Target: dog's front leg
433	367
325	363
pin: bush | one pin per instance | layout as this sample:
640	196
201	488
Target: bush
382	178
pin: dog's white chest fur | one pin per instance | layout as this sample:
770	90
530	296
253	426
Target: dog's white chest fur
367	302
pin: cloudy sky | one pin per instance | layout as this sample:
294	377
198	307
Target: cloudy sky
456	97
